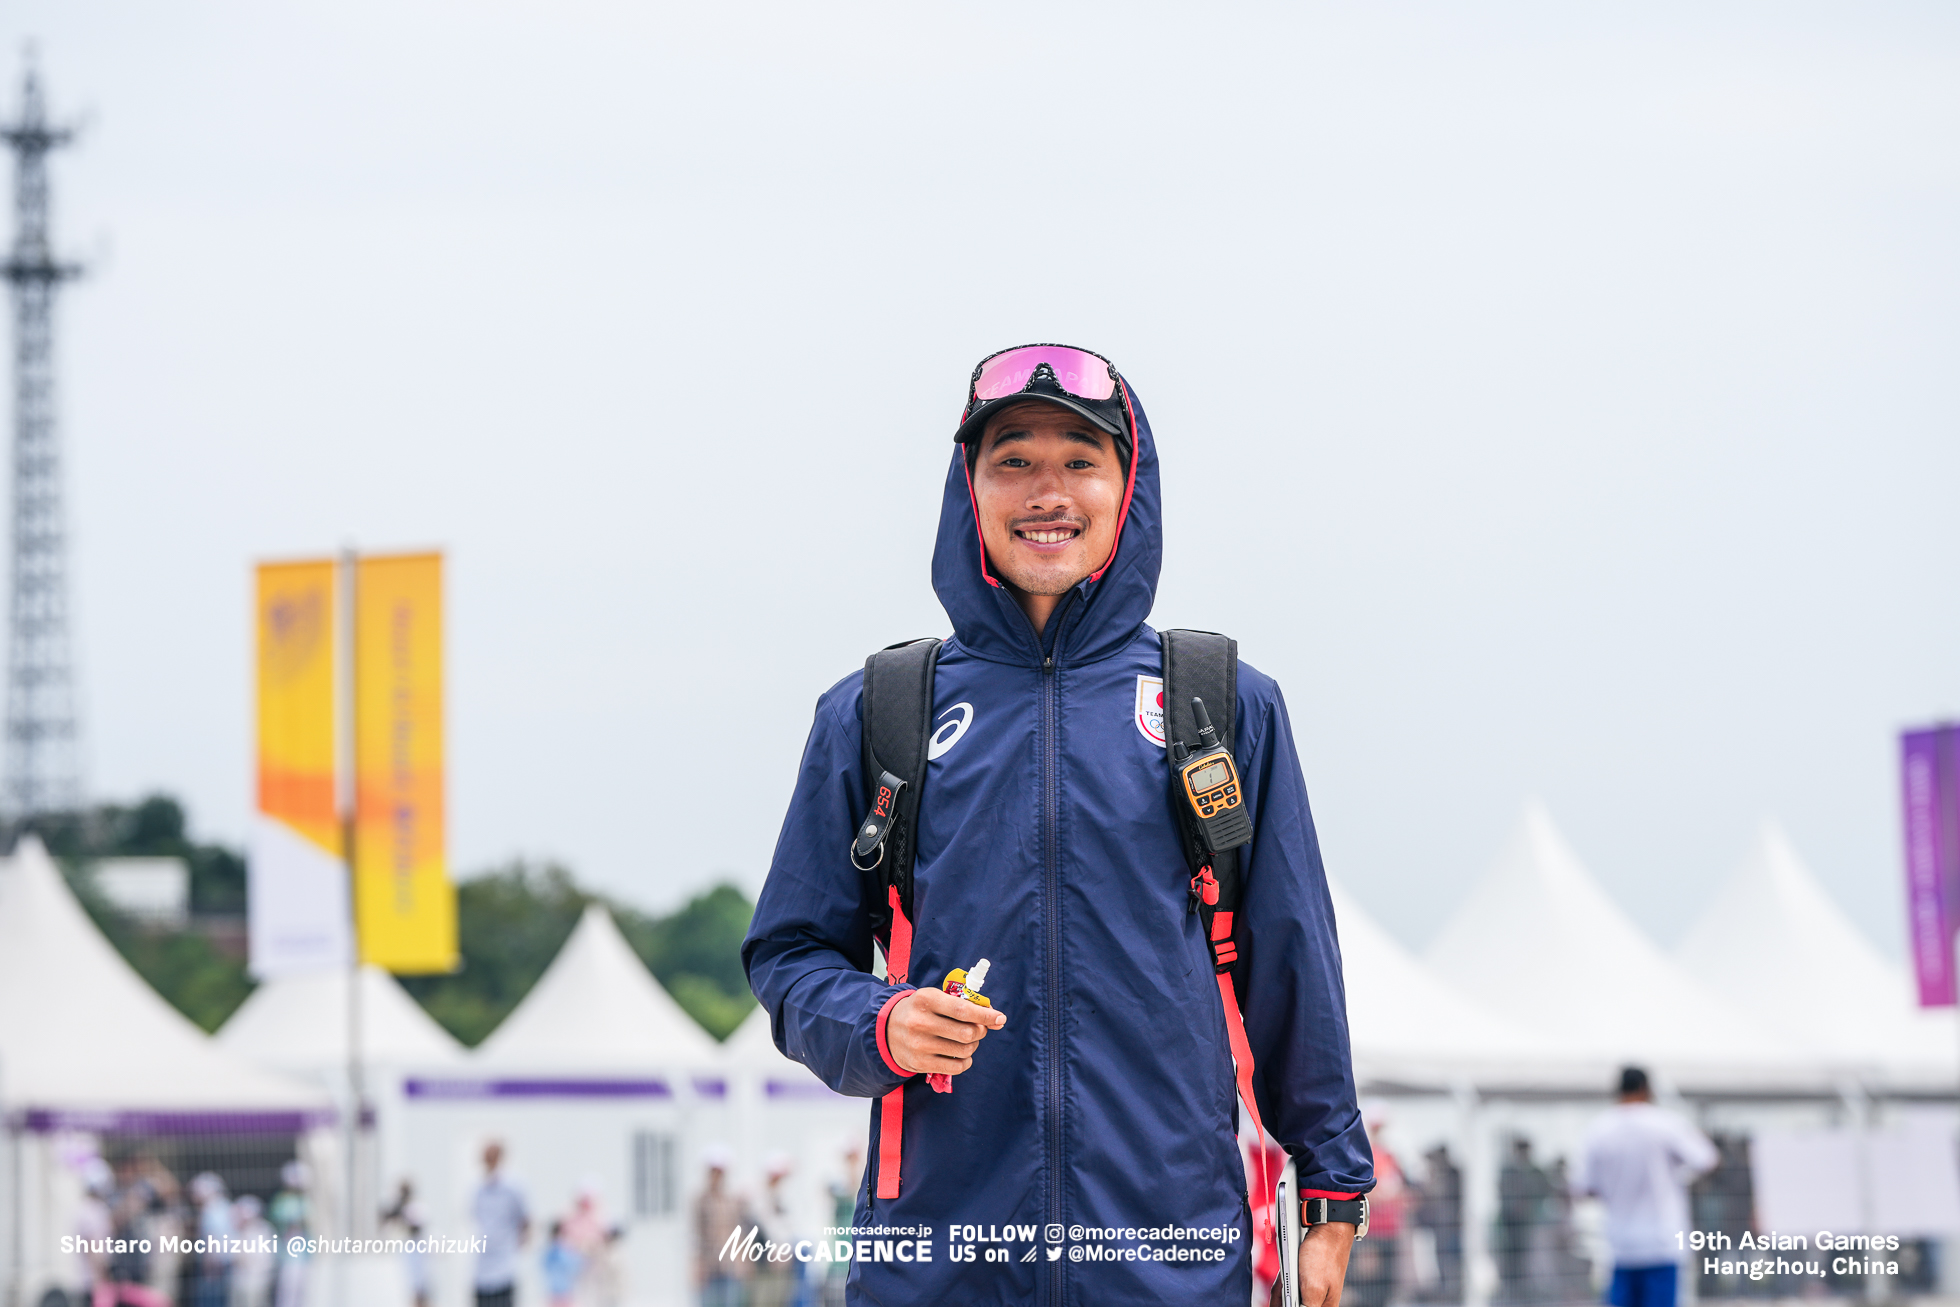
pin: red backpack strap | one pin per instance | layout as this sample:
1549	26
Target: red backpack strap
1242	1061
1224	952
891	1108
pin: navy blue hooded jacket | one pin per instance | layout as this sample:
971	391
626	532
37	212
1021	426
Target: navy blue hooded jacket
1046	843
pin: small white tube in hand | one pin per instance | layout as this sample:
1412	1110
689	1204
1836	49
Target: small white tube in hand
966	984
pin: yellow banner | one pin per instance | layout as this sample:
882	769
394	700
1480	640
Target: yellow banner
296	708
404	904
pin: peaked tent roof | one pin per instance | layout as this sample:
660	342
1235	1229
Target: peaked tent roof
753	1046
1772	940
1540	941
1404	1023
298	1024
753	1049
751	1053
597	1008
80	1030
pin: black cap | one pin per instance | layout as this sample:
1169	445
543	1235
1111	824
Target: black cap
1633	1080
1106	415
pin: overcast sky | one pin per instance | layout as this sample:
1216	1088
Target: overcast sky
1571	388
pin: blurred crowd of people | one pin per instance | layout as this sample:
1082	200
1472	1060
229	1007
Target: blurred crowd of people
578	1259
1637	1159
772	1216
138	1201
1414	1248
1540	1258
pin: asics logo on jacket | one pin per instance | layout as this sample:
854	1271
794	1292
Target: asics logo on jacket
948	735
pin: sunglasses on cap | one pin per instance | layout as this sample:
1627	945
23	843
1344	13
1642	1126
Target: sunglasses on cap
1077	379
1080	372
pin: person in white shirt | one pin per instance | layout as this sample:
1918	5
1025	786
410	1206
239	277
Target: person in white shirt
211	1286
1639	1160
504	1222
251	1274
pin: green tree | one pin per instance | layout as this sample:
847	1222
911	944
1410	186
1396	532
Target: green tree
153	827
183	966
697	955
511	922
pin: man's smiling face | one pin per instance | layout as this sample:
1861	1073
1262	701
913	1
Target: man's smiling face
1049	488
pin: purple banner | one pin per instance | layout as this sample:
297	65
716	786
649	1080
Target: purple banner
38	1120
805	1088
464	1089
1927	782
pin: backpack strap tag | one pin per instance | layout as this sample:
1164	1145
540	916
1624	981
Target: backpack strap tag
877	827
897	722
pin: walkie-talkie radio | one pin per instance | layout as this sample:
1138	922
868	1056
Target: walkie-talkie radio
1210	780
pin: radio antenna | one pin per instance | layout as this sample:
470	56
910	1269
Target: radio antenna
1206	734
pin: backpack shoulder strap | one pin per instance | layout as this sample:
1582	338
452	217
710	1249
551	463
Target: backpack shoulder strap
897	724
1205	665
897	727
1202	665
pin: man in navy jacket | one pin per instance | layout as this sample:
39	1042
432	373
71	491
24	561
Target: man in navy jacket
1088	1150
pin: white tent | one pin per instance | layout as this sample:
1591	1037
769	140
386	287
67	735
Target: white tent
80	1031
753	1049
597	1008
1773	941
87	1047
299	1024
781	1110
1539	940
597	1082
1407	1027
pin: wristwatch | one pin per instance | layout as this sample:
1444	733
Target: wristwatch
1348	1211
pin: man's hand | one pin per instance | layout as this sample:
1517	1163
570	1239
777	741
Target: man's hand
935	1031
1324	1253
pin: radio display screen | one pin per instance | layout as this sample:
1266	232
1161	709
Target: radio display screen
1208	777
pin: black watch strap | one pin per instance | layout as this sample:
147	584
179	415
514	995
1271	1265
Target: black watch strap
1348	1211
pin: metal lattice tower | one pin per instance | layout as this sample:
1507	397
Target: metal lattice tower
43	746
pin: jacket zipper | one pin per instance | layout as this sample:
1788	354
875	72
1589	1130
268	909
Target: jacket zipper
1051	891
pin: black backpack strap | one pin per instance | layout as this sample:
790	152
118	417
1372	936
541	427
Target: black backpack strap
897	729
1203	665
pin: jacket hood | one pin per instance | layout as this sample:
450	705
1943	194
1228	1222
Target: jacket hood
1095	619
